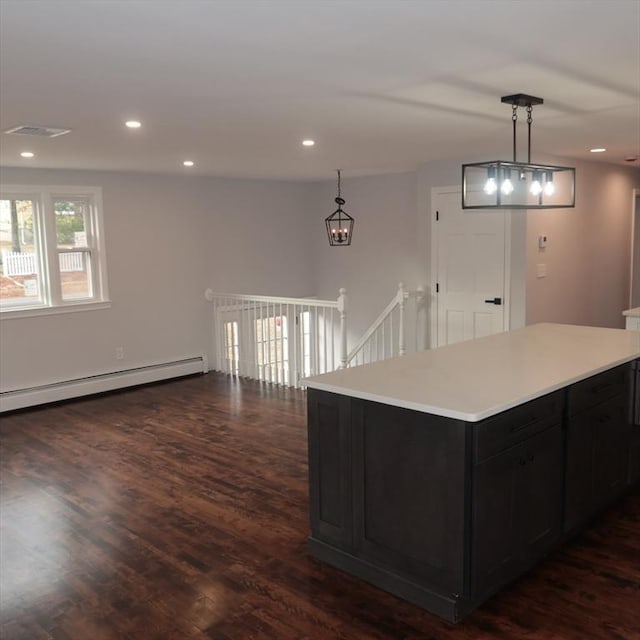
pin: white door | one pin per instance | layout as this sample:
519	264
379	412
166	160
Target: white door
468	267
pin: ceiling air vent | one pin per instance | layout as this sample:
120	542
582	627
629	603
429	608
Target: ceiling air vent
34	130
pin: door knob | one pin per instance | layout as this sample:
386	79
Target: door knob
494	301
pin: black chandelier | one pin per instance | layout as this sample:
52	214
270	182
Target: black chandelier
499	184
339	223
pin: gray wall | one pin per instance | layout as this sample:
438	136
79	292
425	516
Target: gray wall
384	251
169	238
588	255
635	274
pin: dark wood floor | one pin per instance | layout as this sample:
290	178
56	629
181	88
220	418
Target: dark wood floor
180	510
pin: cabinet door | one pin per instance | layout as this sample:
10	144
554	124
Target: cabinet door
598	443
330	486
539	506
612	437
579	471
495	497
517	509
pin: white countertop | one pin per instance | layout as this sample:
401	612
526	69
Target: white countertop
634	313
476	379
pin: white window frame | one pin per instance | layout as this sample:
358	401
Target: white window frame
51	302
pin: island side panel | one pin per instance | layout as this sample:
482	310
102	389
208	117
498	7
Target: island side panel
600	442
330	488
410	472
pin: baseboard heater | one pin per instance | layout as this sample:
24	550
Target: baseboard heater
21	398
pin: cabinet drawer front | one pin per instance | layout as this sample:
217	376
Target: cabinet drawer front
506	429
597	389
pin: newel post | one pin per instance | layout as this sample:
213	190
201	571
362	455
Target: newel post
342	308
402	347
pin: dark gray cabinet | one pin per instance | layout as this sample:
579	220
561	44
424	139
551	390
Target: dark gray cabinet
517	509
443	512
516	506
598	444
400	459
330	491
634	419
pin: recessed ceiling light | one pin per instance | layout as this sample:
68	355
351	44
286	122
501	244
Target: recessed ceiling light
598	150
27	154
188	163
133	124
308	143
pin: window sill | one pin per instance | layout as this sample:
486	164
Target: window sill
72	307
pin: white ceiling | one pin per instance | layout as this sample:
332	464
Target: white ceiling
381	85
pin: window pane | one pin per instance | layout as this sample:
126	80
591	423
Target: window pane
19	278
71	218
232	346
272	347
75	275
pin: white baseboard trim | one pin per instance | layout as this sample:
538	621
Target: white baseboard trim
22	398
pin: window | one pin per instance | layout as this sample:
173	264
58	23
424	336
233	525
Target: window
232	346
51	249
272	348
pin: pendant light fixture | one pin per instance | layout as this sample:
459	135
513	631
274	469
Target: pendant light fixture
501	184
339	223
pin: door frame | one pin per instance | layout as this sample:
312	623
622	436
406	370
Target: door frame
635	221
433	278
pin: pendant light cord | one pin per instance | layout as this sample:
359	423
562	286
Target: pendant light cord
514	118
529	121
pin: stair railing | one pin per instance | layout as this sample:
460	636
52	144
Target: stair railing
278	340
386	337
284	340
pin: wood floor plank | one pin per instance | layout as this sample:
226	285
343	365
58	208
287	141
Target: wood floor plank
180	511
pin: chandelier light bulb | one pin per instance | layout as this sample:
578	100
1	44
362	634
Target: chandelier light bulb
535	188
507	185
549	187
490	186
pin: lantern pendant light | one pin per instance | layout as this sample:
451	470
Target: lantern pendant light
339	223
500	184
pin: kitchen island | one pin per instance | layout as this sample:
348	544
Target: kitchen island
632	318
443	475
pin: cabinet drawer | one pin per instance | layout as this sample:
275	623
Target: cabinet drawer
597	389
506	429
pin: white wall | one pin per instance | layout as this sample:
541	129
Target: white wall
587	258
258	237
634	298
167	239
384	248
588	253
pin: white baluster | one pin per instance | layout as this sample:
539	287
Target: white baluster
281	368
254	337
342	308
402	348
333	335
325	338
292	364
